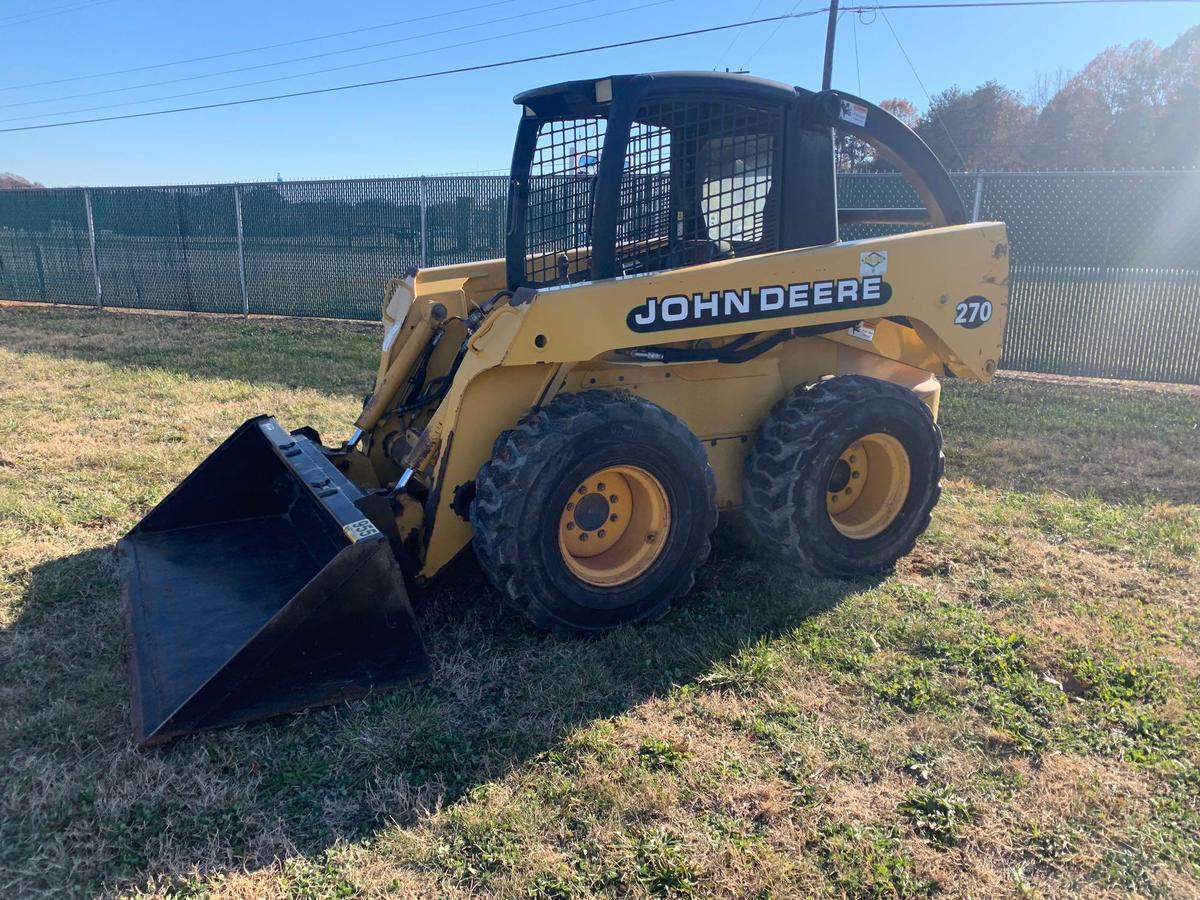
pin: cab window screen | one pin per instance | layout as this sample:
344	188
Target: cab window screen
696	184
558	218
644	217
736	174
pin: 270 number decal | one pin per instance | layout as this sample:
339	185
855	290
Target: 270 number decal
973	312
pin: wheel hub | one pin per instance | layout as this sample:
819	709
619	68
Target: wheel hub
868	486
591	512
613	526
840	477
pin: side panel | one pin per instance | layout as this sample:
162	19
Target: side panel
923	278
564	339
722	405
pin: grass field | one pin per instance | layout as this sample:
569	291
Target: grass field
1015	711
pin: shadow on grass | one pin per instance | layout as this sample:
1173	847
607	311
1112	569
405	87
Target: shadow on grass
242	797
330	357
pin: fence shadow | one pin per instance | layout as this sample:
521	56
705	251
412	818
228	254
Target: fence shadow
243	797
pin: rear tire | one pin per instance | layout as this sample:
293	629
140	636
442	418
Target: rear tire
843	476
594	512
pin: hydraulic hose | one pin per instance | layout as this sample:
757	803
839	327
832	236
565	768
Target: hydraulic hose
736	351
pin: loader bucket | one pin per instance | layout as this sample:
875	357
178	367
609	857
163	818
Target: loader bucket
258	587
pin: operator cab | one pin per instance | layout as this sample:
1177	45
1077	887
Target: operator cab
634	174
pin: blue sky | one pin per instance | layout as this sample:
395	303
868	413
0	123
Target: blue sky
462	122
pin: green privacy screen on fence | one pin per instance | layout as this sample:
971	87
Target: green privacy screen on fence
1105	279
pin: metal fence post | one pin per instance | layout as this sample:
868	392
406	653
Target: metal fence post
424	233
241	248
91	224
978	197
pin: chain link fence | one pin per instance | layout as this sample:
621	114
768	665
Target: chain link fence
1105	278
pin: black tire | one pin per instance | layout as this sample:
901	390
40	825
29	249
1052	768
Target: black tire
535	467
790	465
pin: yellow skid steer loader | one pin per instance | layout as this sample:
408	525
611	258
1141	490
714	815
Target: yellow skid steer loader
675	330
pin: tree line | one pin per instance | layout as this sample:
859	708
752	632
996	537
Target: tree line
1131	107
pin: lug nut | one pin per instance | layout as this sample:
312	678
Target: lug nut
571	506
583	537
570	526
600	533
583	489
853	474
612	498
651	538
613	517
600	487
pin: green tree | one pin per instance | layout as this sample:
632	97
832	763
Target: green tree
1131	107
1177	144
987	128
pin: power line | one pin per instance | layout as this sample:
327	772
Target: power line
48	9
775	31
737	36
423	75
23	18
228	53
932	109
998	3
411	20
559	55
639	7
283	62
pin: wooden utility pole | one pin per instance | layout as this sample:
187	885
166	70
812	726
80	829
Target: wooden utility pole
830	34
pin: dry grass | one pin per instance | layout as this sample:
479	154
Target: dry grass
1014	711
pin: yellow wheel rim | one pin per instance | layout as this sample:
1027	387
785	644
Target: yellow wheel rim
614	526
868	486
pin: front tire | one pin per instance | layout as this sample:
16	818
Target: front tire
843	476
594	512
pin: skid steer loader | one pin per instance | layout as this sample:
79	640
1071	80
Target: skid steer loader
676	330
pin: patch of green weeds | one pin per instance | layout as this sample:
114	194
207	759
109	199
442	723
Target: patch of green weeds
561	884
1050	844
656	753
919	763
1121	710
937	814
661	865
868	862
1001	782
909	686
318	879
1130	866
1114	681
1018	703
749	668
475	851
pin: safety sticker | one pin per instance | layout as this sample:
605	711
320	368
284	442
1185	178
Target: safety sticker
862	331
872	262
973	312
854	113
360	530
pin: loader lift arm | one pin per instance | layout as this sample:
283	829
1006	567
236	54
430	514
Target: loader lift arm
901	147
